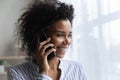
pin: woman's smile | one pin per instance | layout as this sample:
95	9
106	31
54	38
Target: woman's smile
61	49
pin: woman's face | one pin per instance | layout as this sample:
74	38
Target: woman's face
61	36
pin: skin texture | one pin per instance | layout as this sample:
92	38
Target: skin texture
60	37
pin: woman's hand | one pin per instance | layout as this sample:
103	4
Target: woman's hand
41	55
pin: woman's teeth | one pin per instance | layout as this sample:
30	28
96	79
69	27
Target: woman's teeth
63	49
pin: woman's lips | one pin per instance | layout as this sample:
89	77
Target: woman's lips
62	48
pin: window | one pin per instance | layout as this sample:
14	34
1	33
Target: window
96	40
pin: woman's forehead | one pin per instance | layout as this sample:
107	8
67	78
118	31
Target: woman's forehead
61	25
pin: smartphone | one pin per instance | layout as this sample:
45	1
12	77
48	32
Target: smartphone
43	37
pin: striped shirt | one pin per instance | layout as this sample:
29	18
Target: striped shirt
70	70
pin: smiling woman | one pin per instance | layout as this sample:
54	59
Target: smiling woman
53	22
61	36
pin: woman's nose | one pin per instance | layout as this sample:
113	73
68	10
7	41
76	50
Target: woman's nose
67	40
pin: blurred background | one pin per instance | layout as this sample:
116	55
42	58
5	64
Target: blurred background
96	40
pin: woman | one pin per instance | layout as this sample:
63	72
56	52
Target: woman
46	32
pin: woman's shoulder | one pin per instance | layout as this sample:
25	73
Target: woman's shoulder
20	67
21	71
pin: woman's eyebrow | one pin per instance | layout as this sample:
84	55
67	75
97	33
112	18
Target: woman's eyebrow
61	31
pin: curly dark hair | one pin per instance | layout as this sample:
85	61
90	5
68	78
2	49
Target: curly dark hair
38	17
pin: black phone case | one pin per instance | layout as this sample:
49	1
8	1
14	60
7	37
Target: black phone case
42	38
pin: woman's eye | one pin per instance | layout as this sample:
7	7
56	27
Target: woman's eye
60	35
70	36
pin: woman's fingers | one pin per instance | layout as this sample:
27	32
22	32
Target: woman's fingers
46	49
40	45
43	43
43	50
50	51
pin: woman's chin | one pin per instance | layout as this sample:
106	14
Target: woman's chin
60	55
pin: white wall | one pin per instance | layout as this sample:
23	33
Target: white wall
9	12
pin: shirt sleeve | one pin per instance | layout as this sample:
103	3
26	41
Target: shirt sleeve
12	75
